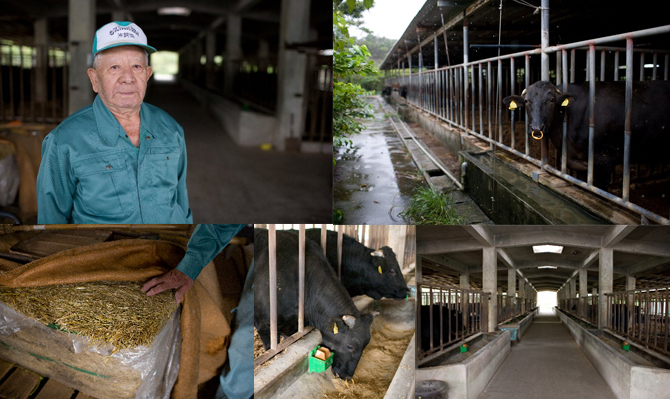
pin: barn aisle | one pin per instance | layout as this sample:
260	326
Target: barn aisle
228	183
548	364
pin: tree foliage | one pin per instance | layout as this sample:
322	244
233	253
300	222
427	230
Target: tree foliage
349	59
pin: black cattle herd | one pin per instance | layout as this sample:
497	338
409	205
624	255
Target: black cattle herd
328	304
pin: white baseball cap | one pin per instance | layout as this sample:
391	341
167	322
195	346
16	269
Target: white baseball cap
120	33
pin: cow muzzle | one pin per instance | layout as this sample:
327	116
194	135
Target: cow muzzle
537	134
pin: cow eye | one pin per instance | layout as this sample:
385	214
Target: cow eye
350	348
552	99
392	272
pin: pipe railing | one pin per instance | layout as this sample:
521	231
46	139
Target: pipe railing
469	97
641	316
584	308
512	307
459	313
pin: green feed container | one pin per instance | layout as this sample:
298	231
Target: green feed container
318	365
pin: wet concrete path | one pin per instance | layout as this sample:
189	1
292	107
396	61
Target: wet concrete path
547	364
374	179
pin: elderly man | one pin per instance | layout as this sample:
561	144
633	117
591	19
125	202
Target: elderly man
118	160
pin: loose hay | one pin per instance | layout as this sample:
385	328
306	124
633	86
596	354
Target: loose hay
116	313
378	364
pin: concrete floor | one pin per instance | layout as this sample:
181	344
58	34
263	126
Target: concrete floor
232	184
547	364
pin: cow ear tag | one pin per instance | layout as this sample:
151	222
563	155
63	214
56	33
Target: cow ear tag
335	330
512	105
565	103
380	270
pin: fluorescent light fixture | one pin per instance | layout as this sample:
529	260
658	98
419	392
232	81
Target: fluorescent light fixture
328	52
554	249
650	65
183	11
546	267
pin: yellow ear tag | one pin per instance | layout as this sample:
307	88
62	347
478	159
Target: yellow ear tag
512	105
565	103
335	330
380	269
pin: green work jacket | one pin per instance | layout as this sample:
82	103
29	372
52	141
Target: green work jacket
92	173
205	243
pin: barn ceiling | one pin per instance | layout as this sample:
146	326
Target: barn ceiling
640	251
260	20
570	21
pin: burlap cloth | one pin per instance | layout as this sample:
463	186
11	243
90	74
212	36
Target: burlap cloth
205	331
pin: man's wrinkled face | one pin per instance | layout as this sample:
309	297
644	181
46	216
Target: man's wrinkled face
121	78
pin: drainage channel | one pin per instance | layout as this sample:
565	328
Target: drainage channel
440	169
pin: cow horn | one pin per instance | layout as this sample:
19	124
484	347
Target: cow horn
557	91
349	320
378	253
523	93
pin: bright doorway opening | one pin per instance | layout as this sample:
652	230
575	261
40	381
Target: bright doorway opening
165	65
546	300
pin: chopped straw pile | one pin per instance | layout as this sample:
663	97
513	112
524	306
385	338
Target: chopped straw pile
116	313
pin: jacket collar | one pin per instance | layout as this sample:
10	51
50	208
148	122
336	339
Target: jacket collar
110	129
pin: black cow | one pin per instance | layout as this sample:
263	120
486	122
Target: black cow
620	320
328	307
365	271
650	138
452	325
403	92
387	91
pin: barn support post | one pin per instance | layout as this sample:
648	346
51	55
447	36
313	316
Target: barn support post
41	62
291	69
511	289
625	194
511	84
583	291
602	65
605	282
526	74
490	284
630	286
522	294
489	101
544	57
210	49
616	66
481	105
564	136
573	287
81	28
499	102
592	111
464	284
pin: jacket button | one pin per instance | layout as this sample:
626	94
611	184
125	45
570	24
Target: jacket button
168	158
148	137
109	167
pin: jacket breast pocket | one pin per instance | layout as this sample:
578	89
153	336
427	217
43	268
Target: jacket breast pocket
163	167
103	185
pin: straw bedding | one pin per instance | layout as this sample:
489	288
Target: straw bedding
116	313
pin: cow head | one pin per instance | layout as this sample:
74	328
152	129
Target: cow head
347	337
542	101
385	270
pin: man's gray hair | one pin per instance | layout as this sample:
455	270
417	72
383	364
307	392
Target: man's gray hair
97	59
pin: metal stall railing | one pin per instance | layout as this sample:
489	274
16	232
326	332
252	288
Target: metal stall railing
319	115
275	345
641	316
469	97
33	83
459	313
583	308
512	307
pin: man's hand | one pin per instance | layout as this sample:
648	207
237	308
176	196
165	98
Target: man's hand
172	279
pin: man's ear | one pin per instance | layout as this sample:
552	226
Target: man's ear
150	72
514	102
565	99
93	77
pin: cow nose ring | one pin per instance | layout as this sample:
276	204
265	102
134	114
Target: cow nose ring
536	137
